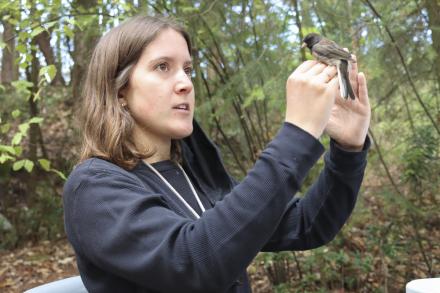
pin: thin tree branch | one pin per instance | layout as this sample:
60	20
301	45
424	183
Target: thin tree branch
219	128
39	24
396	188
299	25
402	60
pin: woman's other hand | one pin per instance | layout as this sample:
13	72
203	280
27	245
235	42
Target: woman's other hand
350	119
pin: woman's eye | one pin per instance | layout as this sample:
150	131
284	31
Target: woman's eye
188	71
162	67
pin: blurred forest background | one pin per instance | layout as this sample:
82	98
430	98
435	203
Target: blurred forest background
243	53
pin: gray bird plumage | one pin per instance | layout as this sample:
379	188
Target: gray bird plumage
330	53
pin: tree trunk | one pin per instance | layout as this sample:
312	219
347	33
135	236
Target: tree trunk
9	68
84	42
43	41
32	76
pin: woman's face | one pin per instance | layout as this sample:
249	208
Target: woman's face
160	94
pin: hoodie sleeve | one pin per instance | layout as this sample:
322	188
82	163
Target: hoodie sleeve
122	227
315	219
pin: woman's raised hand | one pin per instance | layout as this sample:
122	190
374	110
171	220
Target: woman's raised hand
310	93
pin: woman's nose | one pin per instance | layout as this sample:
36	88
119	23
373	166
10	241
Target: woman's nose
184	83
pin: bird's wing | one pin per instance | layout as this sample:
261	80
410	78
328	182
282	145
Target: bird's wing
331	50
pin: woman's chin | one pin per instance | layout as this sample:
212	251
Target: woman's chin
183	132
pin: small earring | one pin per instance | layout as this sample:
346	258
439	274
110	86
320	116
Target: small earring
123	104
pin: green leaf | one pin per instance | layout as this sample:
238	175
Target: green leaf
37	96
24	127
52	71
22	36
36	120
4	158
23	65
18	165
73	22
16	113
45	164
7	149
256	95
21	48
59	174
18	150
48	72
5	128
28	165
69	32
127	6
50	24
17	138
23	86
13	21
36	31
189	9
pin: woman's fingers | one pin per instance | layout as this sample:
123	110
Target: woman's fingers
316	69
309	101
334	83
303	67
327	74
353	75
363	90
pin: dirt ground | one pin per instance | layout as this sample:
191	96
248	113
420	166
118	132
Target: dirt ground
33	265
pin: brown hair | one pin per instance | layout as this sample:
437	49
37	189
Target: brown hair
106	126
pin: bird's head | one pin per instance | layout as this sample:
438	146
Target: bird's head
310	40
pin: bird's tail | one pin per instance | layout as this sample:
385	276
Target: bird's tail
344	81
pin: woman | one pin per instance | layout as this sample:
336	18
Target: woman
151	208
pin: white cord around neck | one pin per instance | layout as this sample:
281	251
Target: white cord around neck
177	193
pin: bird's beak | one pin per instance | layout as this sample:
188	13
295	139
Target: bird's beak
303	45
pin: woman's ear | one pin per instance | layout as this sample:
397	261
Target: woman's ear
122	102
121	97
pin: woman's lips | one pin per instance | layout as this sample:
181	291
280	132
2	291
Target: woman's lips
182	108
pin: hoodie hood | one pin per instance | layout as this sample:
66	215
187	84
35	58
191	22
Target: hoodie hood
202	159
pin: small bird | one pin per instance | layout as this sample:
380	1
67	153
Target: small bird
330	53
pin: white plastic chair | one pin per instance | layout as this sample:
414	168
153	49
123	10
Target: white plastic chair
431	285
68	285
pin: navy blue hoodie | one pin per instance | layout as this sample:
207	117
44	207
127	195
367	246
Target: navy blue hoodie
131	234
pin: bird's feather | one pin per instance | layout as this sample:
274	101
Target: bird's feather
330	53
331	50
344	81
342	86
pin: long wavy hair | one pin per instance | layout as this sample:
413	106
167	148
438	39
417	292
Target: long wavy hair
107	127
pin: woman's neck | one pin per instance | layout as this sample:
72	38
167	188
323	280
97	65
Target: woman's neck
148	141
160	155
